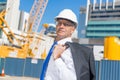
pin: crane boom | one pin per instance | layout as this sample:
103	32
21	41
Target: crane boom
36	14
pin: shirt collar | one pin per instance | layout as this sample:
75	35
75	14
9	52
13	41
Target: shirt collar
63	41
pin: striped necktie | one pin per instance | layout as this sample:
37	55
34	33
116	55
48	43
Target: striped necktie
46	62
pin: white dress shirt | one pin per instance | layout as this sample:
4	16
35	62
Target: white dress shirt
63	67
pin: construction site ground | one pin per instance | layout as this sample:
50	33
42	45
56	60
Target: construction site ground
7	77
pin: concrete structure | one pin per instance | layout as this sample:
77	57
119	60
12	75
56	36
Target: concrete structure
23	19
12	15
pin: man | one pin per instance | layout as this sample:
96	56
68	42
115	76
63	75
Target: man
69	60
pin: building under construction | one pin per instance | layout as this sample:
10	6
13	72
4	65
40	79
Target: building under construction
102	28
23	49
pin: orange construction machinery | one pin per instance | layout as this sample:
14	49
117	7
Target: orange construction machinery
27	44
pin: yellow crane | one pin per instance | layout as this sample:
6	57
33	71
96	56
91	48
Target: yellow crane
6	49
35	17
34	20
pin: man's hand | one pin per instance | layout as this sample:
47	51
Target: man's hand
58	50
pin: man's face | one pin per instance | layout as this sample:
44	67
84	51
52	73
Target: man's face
64	28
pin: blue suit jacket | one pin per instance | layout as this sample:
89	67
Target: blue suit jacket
83	61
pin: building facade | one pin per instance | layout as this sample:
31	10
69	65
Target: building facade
12	13
82	26
3	4
103	18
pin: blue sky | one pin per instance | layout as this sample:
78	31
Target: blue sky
53	8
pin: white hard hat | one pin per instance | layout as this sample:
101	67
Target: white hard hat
69	15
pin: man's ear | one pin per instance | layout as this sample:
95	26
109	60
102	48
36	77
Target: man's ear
72	31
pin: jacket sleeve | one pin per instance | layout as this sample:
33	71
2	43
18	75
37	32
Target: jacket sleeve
92	67
83	55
